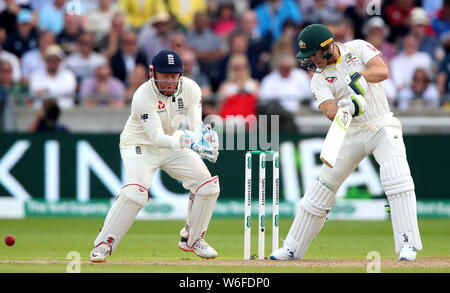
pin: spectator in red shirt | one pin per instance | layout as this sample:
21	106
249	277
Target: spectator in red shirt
398	15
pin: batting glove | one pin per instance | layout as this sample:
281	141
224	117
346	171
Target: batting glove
355	104
357	83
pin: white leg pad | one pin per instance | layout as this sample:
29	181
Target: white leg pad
399	188
132	198
310	218
202	209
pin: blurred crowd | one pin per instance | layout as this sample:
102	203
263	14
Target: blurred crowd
56	54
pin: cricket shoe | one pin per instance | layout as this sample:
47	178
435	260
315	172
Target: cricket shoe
100	253
201	248
283	253
407	252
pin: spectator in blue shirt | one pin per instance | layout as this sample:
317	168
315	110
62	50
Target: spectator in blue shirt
51	17
441	23
273	13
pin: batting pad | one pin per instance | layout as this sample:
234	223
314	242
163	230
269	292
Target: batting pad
399	188
310	218
132	198
202	209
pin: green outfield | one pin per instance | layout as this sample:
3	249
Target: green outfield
43	244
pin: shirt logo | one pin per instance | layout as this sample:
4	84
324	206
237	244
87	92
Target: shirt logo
144	116
371	47
331	79
161	107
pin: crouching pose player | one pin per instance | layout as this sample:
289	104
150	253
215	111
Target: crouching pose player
350	75
152	139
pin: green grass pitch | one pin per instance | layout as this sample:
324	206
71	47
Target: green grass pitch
42	245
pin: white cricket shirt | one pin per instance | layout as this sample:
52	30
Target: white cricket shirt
155	117
330	83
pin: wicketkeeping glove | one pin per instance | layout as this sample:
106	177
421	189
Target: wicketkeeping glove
198	145
357	83
355	104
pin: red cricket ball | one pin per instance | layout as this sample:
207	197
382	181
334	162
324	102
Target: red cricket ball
9	240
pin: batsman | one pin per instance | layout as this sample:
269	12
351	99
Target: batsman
165	130
349	75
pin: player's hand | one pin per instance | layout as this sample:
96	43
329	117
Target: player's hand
199	145
357	83
355	104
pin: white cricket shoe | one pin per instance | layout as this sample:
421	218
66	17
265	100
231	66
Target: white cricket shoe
201	248
407	252
100	253
283	253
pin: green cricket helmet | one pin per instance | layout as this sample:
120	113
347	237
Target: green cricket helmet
311	39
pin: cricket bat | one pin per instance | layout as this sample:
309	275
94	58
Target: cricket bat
335	137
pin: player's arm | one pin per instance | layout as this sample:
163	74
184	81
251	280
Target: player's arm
329	109
376	70
152	125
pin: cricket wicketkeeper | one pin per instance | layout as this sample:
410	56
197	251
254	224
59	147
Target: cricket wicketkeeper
156	135
349	75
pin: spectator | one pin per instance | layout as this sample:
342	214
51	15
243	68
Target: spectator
156	35
238	94
419	25
272	14
8	17
398	14
138	77
443	81
281	47
441	22
51	17
238	79
3	103
421	93
345	31
85	61
13	61
404	64
99	20
25	38
238	44
358	15
183	13
47	120
15	89
322	13
206	45
286	84
138	12
376	32
226	20
110	43
68	38
54	81
34	60
103	88
178	42
127	58
37	5
192	71
258	45
8	122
